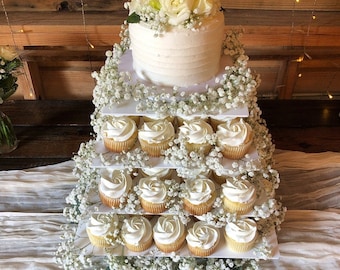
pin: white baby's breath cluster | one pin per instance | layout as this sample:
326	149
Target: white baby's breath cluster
230	264
79	198
175	262
130	160
218	217
68	254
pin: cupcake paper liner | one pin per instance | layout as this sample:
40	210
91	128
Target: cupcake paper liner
235	152
237	207
117	146
239	247
167	248
110	202
150	207
199	209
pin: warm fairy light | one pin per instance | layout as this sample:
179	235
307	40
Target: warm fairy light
300	59
90	44
297	1
300	75
313	17
330	96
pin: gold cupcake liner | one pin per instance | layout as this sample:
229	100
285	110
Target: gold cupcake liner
199	209
98	241
110	202
237	207
117	146
154	208
201	252
237	246
141	246
154	149
172	247
235	152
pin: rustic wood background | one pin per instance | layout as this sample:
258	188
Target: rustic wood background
52	39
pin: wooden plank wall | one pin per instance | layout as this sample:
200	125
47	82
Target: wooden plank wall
53	41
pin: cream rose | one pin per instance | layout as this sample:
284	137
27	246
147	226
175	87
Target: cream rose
178	11
7	53
202	6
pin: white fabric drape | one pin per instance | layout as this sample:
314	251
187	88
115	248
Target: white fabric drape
32	200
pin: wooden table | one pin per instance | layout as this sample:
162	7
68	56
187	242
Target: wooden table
51	131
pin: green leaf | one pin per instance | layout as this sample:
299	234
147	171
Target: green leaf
133	18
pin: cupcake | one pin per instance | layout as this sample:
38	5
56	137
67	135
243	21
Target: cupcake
119	133
199	195
100	229
234	138
113	185
162	173
169	233
218	119
152	194
203	239
241	235
155	136
238	195
196	135
136	233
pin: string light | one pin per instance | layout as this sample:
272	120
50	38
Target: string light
84	25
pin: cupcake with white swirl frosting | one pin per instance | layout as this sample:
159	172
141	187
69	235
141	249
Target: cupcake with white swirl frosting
196	135
152	194
119	133
155	136
241	235
203	239
239	195
114	184
137	233
169	233
101	229
199	195
234	137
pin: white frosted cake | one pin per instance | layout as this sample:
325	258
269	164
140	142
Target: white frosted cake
171	64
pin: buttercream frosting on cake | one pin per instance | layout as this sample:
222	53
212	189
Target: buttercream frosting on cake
186	51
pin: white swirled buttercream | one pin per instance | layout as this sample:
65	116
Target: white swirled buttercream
101	224
136	230
242	231
168	229
152	189
119	128
199	190
115	183
156	131
234	132
195	131
203	235
238	190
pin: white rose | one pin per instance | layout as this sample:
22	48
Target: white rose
7	53
203	6
177	10
136	5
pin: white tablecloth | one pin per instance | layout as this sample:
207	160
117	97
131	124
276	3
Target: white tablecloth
32	200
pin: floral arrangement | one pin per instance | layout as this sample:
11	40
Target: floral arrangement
162	13
9	62
236	88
